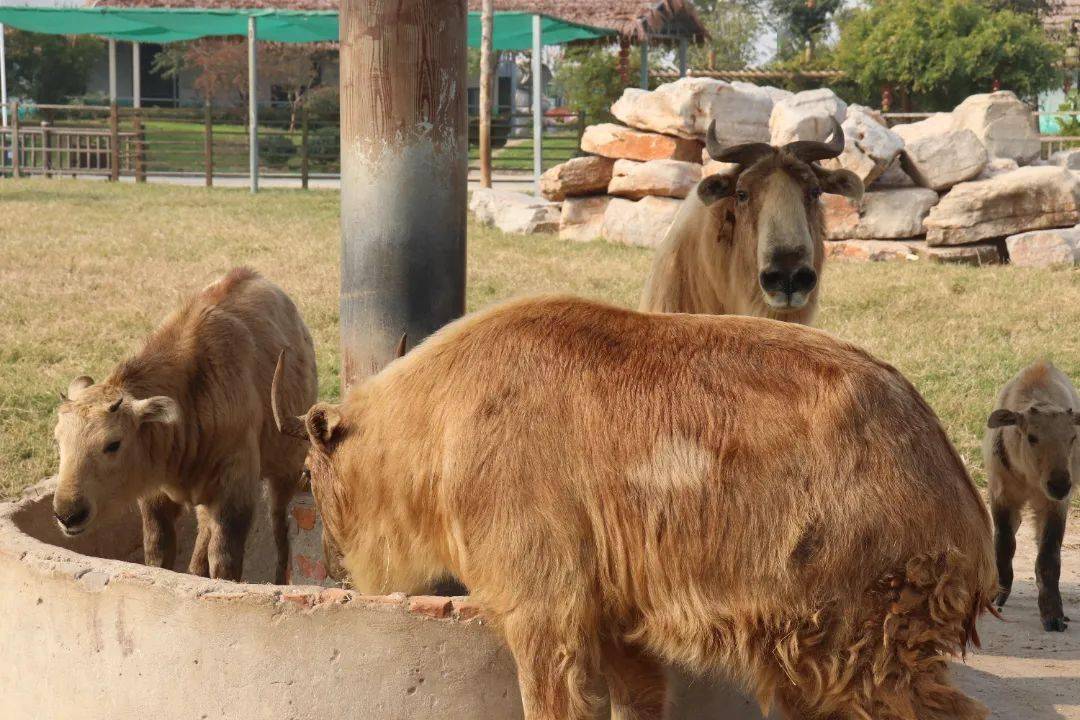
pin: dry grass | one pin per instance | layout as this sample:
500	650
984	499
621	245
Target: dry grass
86	269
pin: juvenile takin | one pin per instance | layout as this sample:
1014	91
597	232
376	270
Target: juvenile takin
1032	458
751	241
622	490
187	421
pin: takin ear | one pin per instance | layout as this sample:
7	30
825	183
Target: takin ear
1002	418
157	409
322	421
840	182
76	386
716	187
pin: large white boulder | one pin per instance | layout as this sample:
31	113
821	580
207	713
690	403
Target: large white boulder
583	218
893	214
870	147
587	175
938	156
1031	198
1002	123
685	107
667	178
514	212
643	222
616	141
1069	159
807	115
1045	248
870	250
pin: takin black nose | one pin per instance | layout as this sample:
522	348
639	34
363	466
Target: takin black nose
788	281
1060	484
72	519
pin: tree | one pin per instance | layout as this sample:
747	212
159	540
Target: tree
733	26
49	68
801	24
940	51
588	77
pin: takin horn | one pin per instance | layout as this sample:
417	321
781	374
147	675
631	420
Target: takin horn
810	150
742	154
286	424
401	345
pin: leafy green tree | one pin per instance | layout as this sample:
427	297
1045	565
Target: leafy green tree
940	51
733	26
49	68
801	23
588	78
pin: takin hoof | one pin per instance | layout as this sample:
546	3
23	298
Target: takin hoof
999	601
1057	624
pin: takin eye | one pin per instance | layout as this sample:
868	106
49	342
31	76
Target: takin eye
815	193
112	447
742	196
1033	440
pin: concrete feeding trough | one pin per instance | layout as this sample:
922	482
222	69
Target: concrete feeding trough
85	626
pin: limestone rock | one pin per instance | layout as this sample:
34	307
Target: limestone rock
1031	198
1069	159
587	175
685	107
1045	248
616	141
870	147
870	250
643	223
978	254
806	116
1002	123
885	214
937	156
997	166
667	178
583	218
514	212
893	177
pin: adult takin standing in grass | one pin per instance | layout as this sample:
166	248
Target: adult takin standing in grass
187	421
751	241
1032	458
622	490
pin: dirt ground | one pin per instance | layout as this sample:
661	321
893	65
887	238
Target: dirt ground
1022	672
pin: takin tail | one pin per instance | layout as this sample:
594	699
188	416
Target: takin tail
892	665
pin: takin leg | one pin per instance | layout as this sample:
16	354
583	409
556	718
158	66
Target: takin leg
1051	527
282	488
200	562
636	684
159	515
557	668
229	526
1006	523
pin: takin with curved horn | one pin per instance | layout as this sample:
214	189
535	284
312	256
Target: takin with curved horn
751	241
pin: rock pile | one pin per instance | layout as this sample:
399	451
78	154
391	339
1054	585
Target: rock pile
965	186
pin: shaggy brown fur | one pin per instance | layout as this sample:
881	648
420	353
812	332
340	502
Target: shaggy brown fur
1032	457
713	253
621	490
187	421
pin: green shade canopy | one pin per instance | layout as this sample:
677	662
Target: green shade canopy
513	30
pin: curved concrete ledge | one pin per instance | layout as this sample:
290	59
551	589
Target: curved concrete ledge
88	631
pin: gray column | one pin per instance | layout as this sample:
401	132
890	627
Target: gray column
537	103
253	107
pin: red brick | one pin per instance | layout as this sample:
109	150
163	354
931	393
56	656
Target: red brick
431	606
305	517
314	569
465	610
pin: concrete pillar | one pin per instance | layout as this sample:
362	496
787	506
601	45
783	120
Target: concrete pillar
644	65
136	75
404	160
683	52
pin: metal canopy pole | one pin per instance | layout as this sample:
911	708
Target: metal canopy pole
683	49
3	76
404	175
487	20
136	75
253	108
644	65
537	104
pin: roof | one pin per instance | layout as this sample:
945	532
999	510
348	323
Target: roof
636	20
